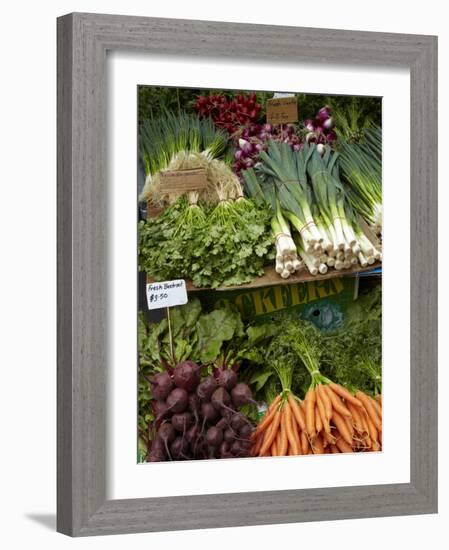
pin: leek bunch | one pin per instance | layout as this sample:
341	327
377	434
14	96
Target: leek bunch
361	165
304	188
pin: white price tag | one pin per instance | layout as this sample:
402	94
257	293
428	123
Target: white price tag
283	94
166	294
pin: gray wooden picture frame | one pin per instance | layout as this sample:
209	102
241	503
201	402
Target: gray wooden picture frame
83	41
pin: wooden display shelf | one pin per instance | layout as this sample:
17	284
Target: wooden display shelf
271	278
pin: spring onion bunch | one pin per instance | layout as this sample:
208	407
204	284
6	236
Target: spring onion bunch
179	142
361	165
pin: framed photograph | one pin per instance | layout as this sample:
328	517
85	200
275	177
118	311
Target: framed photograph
247	274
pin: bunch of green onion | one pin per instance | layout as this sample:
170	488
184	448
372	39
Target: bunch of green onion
165	138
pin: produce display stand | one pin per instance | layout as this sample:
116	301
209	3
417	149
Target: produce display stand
271	278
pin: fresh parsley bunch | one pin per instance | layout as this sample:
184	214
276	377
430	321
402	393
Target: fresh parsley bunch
224	245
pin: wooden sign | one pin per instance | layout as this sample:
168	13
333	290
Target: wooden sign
182	181
282	110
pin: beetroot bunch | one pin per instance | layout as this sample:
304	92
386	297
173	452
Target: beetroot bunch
197	419
229	114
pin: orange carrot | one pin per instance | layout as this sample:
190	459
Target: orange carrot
342	427
356	417
283	445
322	413
343	446
304	443
378	398
296	432
289	428
278	436
343	392
329	438
317	447
318	421
268	417
337	403
349	425
271	434
256	446
367	403
334	448
377	407
274	448
310	413
326	400
372	432
297	412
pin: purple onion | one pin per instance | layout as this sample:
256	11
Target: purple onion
245	146
331	136
309	125
323	113
238	154
311	137
329	123
268	128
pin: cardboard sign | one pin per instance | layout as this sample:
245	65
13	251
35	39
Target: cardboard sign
182	181
282	110
166	294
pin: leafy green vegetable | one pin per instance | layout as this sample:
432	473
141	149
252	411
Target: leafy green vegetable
230	248
353	355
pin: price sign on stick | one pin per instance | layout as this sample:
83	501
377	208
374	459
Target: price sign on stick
166	294
282	110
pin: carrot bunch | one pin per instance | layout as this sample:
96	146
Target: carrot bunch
330	419
282	430
339	422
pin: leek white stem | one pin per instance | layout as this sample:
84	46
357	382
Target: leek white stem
362	259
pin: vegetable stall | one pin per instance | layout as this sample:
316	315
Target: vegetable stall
276	229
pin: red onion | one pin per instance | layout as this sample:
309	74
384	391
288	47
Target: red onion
329	123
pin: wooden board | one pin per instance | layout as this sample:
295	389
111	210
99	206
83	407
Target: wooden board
271	278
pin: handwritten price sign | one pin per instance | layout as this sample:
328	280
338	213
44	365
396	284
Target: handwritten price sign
166	294
282	110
